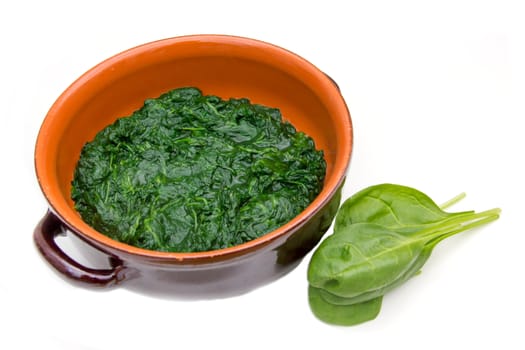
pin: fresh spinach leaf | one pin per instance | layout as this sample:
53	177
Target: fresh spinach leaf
363	258
343	315
397	207
383	235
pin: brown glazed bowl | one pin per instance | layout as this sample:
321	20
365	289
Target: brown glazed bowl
222	65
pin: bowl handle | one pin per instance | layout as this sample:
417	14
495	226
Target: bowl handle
45	239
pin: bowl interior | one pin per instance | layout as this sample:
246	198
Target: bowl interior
219	65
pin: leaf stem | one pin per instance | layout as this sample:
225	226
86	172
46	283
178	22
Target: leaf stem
460	224
452	201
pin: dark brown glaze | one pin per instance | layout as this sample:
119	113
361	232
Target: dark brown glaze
45	240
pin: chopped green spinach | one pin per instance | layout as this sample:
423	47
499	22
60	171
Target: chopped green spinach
190	172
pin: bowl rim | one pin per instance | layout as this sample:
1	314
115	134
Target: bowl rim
72	219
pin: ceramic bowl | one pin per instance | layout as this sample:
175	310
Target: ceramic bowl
226	66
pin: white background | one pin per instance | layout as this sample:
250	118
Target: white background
436	92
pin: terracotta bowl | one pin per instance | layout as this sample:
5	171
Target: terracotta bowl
226	66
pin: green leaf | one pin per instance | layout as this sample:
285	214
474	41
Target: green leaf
400	208
362	258
383	235
413	270
343	315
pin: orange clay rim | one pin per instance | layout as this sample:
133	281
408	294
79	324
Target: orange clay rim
70	217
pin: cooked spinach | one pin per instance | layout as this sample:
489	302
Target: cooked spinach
189	172
383	235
